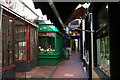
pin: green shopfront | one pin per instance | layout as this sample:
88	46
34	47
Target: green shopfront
49	45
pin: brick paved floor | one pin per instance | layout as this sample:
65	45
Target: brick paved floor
70	68
65	69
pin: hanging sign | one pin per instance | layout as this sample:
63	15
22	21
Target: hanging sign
74	24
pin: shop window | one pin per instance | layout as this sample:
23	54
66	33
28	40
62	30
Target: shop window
20	41
46	43
33	43
103	54
103	18
103	47
50	43
7	41
42	43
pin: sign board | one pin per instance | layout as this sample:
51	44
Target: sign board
74	24
74	32
47	28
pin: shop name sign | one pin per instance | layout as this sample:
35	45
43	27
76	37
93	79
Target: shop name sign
75	26
47	28
75	23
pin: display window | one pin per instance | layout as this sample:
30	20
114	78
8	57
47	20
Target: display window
103	54
33	43
46	43
103	46
20	40
103	17
25	41
50	43
7	41
42	43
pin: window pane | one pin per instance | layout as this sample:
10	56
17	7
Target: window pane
22	54
11	27
42	43
20	41
11	42
11	55
103	17
103	48
33	44
16	51
103	54
5	21
5	58
8	41
50	43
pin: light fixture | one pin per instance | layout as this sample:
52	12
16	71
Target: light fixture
107	6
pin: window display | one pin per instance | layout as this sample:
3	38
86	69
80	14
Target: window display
46	43
103	54
7	41
103	47
33	43
50	43
20	41
42	43
25	41
103	18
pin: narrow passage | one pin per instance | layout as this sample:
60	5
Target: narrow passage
71	68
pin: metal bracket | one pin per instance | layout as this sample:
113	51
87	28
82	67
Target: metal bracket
87	30
84	30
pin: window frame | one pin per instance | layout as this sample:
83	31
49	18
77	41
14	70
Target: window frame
100	33
8	64
21	29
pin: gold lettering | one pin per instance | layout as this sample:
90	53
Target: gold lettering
102	25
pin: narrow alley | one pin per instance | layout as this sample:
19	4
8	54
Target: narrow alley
71	68
57	39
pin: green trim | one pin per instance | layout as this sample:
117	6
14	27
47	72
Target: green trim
49	56
55	43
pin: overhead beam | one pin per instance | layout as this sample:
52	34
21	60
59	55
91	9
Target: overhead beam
56	12
30	9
